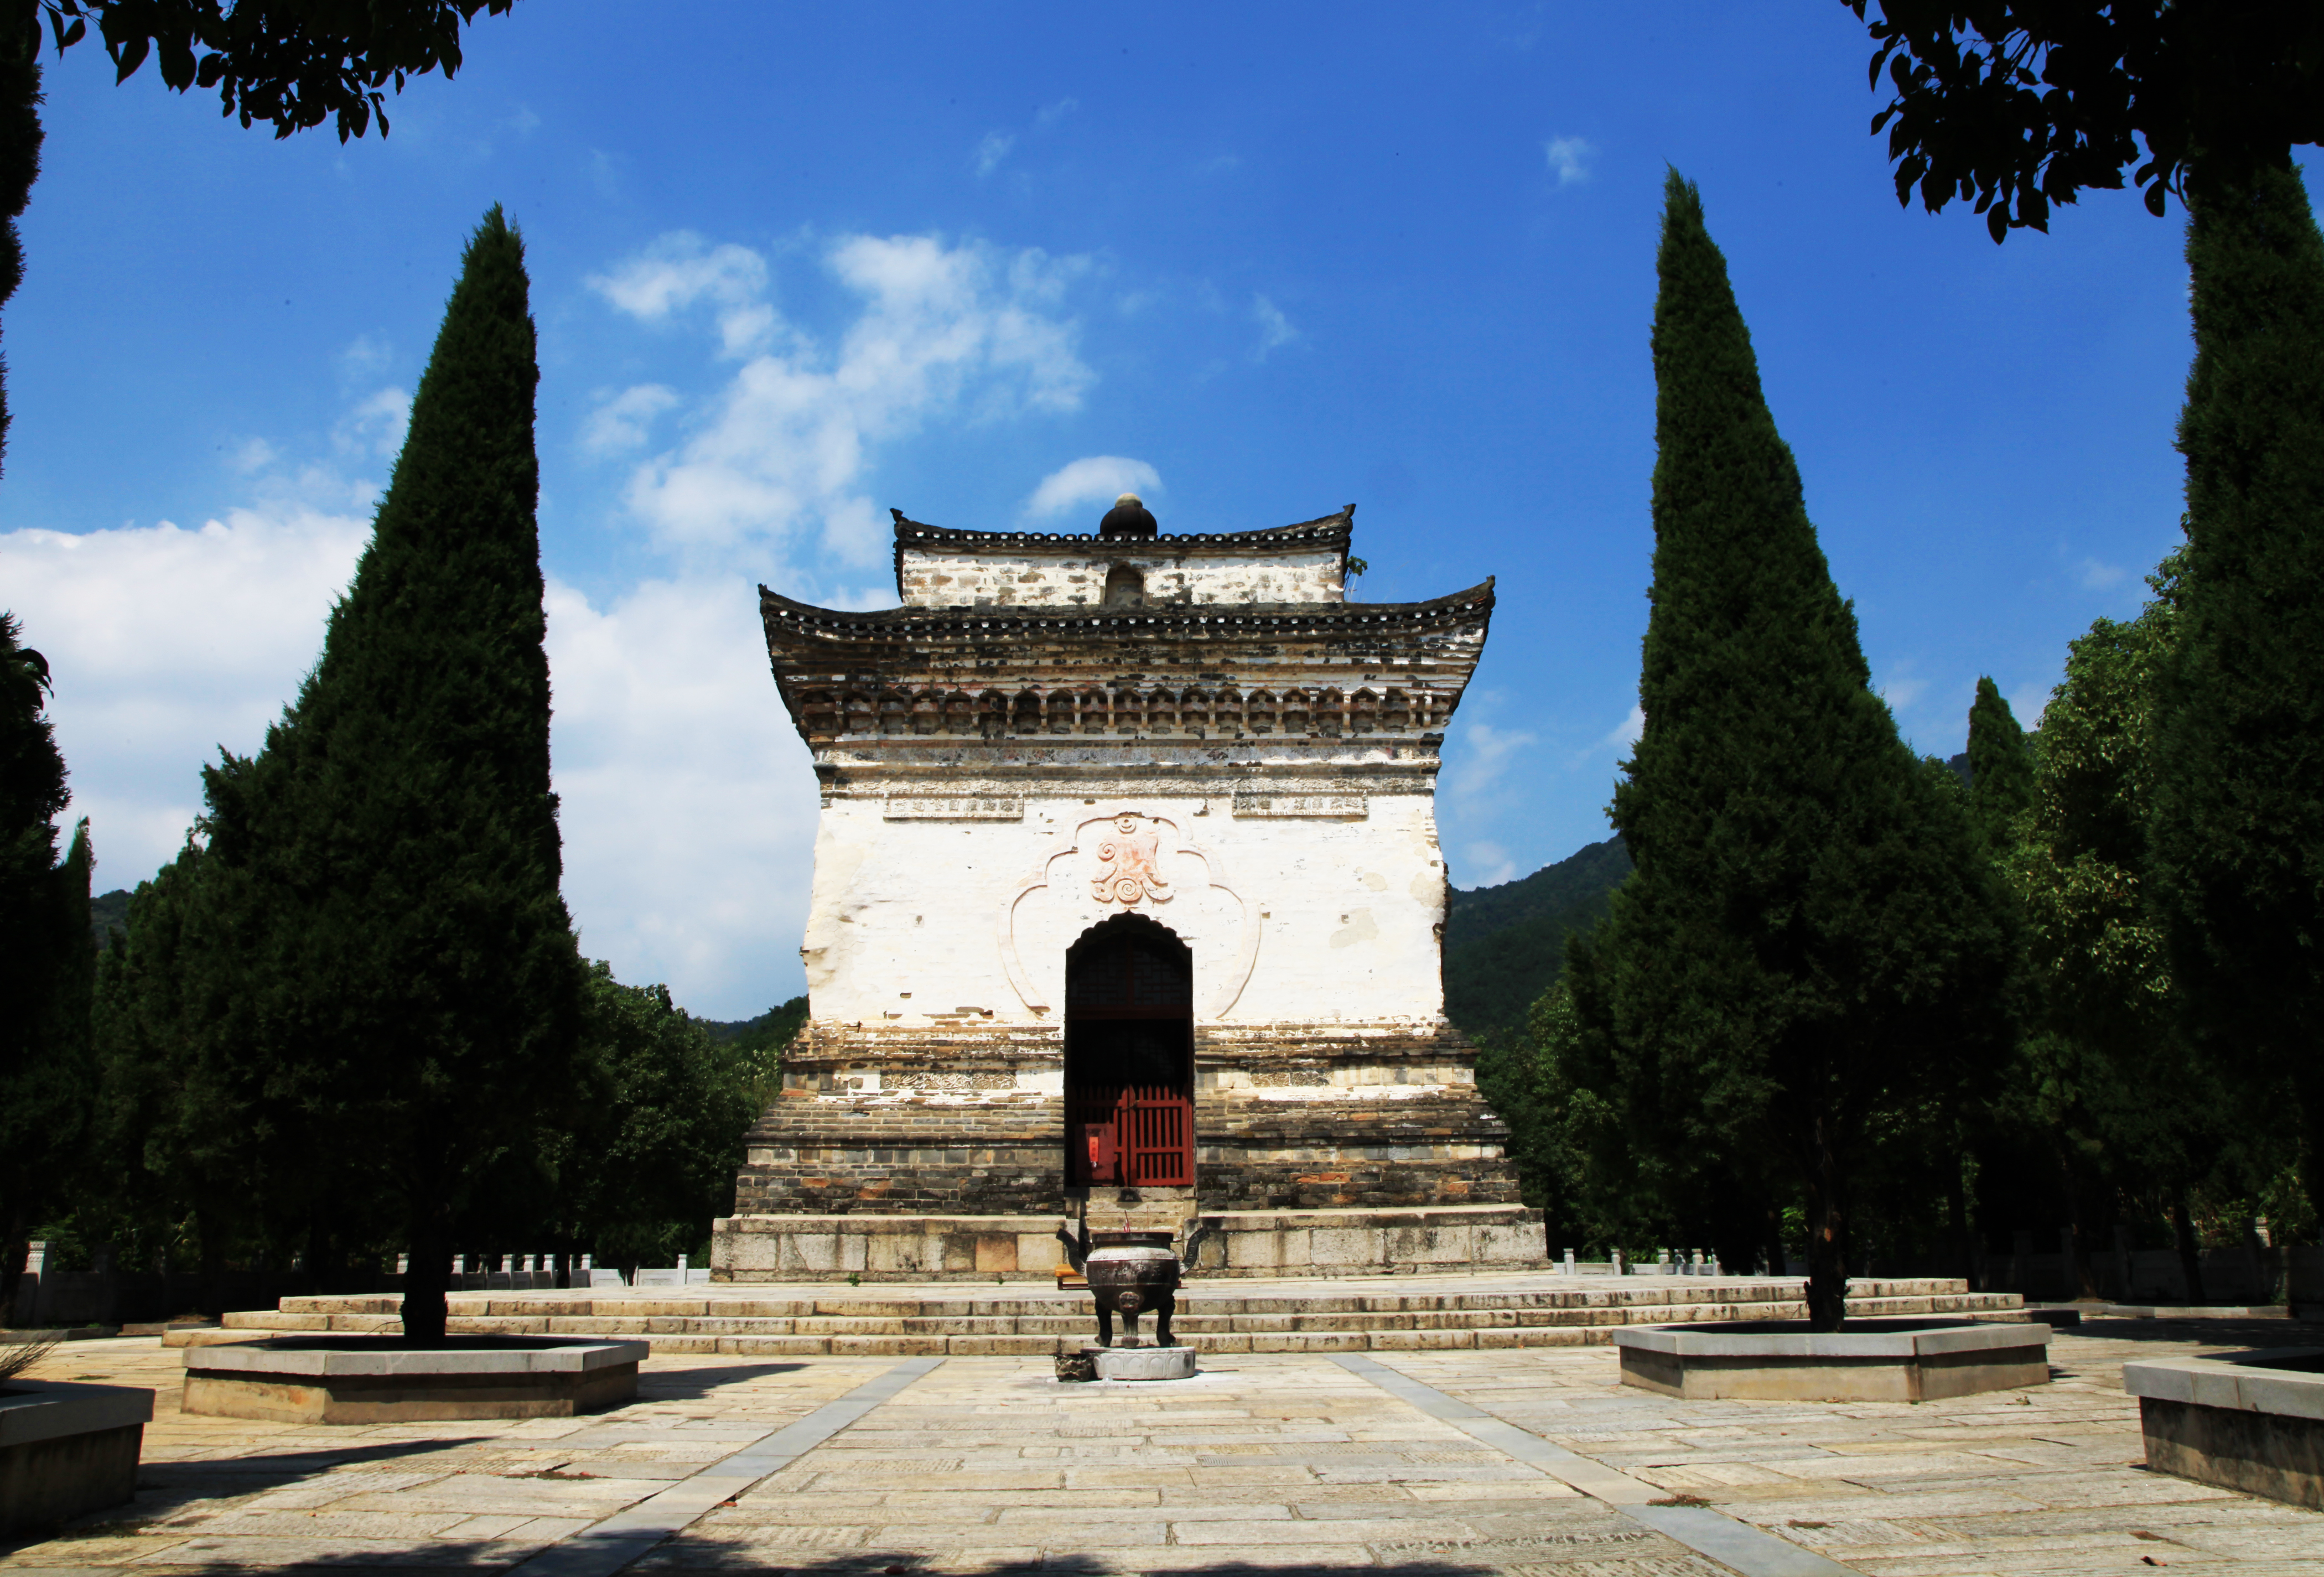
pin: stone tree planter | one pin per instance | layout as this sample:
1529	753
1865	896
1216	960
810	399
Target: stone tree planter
358	1379
66	1450
2253	1421
1866	1360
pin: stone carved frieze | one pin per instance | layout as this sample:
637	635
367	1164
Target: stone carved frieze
1122	859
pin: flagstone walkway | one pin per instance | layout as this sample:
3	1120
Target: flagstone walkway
1427	1464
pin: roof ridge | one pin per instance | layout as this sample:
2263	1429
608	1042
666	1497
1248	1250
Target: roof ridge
1479	598
1321	525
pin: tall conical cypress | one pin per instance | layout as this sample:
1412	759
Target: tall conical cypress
394	850
1811	951
2238	810
2000	766
46	1077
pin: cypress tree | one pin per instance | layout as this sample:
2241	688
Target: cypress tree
1810	956
2239	781
392	855
2000	766
46	1078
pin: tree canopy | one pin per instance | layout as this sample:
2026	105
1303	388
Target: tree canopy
1807	962
2238	820
2014	106
289	64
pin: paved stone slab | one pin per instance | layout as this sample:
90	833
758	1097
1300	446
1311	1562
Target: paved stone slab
1287	1462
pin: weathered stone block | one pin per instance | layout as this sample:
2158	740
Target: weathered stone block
2249	1421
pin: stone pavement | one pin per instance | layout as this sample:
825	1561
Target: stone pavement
1429	1464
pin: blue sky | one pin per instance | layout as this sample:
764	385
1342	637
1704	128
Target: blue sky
793	266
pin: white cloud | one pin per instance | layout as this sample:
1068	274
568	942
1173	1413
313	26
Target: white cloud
2028	703
1051	114
374	429
779	455
1484	754
679	270
365	358
1091	480
688	804
621	422
1275	330
990	151
1903	687
166	644
1491	864
253	455
1569	159
1623	737
2097	577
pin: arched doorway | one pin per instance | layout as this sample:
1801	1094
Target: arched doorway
1129	1056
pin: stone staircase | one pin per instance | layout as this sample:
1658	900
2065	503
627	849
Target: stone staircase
1400	1313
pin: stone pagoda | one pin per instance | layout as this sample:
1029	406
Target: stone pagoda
1127	910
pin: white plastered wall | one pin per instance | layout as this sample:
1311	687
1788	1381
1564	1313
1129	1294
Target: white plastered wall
971	579
1290	919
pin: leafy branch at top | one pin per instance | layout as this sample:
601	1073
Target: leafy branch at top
291	64
2017	105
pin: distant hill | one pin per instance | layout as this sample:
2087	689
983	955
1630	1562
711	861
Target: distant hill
108	913
771	1031
1505	945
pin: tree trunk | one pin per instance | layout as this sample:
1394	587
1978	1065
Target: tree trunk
2080	1275
13	1249
1957	1207
428	1273
1827	1245
1775	1249
2190	1253
209	1291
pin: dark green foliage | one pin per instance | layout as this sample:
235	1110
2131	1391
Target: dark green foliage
387	868
2104	1074
1806	966
2000	767
47	1082
2019	104
655	1155
765	1035
108	912
2239	812
1505	946
184	1146
20	164
1561	1132
291	64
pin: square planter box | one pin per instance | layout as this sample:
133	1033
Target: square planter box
376	1379
2253	1422
66	1450
1866	1360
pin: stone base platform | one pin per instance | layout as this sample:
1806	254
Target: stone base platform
1869	1361
1370	1313
2252	1421
66	1450
368	1381
860	1248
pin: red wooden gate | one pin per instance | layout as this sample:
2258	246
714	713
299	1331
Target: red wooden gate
1141	1135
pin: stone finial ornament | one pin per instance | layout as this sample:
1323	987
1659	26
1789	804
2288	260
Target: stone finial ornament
1129	517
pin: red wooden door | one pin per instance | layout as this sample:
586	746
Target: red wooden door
1129	1108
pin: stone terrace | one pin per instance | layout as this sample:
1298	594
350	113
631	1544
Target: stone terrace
1404	1313
1442	1463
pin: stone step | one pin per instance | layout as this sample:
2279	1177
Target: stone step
1588	1292
1209	1320
1207	1317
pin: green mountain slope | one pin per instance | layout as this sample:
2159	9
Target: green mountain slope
1505	945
